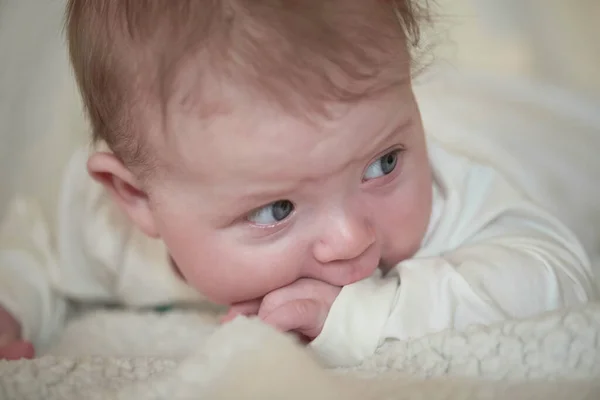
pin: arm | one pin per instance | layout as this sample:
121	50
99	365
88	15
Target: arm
97	256
510	260
504	276
26	259
42	266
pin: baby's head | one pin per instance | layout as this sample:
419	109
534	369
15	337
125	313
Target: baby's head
262	140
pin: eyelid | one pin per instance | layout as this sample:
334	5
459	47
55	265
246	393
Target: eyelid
268	232
398	147
244	217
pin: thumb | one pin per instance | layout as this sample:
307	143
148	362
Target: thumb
303	316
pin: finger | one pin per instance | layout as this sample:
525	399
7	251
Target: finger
245	308
17	350
304	288
305	317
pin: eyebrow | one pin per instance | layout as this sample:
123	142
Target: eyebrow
264	197
396	129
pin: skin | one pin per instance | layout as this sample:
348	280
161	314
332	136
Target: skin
358	185
11	347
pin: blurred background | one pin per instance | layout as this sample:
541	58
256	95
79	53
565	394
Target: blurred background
557	41
531	42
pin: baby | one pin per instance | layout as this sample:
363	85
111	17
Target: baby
269	156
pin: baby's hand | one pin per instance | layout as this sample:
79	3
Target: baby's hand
11	346
301	307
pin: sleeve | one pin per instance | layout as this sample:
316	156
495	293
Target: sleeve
26	259
94	255
520	263
103	256
43	267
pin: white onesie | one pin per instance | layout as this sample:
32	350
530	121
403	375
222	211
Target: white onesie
489	254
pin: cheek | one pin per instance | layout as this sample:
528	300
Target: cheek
403	218
227	272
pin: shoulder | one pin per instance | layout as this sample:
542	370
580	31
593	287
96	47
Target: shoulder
473	197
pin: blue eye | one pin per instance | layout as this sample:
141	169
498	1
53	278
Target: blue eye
383	166
272	213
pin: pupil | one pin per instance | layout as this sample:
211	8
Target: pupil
281	209
389	163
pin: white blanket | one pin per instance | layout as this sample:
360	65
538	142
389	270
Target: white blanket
187	355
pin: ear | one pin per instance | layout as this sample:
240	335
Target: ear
124	189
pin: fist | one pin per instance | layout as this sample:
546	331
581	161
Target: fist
301	307
11	345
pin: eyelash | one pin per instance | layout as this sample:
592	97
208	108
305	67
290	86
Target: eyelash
397	167
259	211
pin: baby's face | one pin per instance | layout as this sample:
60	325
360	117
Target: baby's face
256	199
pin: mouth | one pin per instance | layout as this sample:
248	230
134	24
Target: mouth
351	274
368	271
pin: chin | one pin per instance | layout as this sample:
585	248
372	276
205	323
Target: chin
385	268
386	265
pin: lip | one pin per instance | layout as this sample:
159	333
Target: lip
365	272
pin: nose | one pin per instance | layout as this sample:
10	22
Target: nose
347	235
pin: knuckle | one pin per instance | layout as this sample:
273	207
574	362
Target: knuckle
304	307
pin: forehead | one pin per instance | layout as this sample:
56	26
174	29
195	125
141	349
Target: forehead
252	141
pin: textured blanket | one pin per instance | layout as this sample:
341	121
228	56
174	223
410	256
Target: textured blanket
187	355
